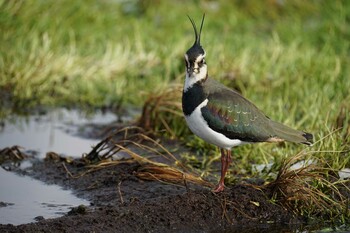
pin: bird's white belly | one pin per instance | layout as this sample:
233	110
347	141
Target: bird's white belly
199	126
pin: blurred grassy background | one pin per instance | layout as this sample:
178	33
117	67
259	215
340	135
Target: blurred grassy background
291	58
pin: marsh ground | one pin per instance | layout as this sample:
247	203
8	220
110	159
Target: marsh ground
291	58
121	202
125	195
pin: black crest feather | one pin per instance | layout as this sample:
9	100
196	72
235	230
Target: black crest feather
197	35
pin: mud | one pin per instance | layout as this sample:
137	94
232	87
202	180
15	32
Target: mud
120	202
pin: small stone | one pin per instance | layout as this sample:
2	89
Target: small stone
39	218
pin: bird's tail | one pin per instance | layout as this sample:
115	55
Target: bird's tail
291	135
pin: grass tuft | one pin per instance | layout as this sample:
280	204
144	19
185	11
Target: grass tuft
162	113
311	190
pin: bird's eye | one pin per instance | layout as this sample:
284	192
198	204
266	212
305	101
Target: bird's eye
201	62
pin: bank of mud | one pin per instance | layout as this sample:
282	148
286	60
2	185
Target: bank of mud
121	202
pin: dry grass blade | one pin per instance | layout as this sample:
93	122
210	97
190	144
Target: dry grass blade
306	189
151	170
155	148
128	137
105	149
134	142
167	174
98	166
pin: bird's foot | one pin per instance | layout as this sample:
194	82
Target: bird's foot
219	188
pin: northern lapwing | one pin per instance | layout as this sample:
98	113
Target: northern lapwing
222	116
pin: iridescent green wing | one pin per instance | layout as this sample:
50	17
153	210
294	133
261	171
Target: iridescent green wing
229	113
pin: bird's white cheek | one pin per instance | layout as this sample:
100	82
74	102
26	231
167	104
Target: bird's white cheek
203	72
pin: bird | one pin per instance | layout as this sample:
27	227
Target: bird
223	117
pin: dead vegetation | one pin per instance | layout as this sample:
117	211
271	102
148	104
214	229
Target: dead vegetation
11	157
144	150
310	190
162	113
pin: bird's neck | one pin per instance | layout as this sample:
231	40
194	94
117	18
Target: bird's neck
193	96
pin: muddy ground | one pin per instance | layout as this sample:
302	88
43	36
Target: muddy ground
121	202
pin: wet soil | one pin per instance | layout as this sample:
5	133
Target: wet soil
120	202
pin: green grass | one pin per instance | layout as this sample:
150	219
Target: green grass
291	58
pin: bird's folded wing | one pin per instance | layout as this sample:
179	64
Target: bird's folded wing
229	113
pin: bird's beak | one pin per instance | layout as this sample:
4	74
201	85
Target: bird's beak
192	70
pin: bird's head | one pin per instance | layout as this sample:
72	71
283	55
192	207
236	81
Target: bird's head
196	68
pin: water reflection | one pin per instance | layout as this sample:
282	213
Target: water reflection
61	131
24	199
68	132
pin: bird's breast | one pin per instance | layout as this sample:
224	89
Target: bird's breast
200	127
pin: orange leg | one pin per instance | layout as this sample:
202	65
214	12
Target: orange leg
225	163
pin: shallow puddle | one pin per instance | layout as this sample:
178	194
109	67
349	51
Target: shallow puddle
24	199
66	132
61	131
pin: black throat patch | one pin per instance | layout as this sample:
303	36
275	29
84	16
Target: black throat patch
193	97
